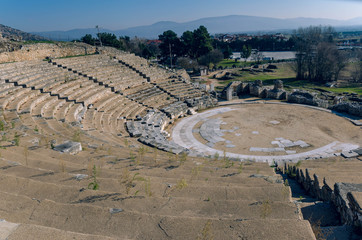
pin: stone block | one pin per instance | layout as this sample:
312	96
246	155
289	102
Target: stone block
69	147
349	154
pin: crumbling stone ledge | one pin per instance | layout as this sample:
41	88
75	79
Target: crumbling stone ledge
235	89
346	197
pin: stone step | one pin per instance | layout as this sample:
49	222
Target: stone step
14	231
121	222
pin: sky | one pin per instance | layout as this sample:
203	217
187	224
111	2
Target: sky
48	15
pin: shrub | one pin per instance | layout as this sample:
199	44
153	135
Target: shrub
181	184
94	184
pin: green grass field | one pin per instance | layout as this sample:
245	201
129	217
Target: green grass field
284	73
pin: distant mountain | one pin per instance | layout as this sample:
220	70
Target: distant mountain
70	35
15	34
226	24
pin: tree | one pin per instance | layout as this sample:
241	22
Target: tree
246	52
214	57
109	39
126	43
257	56
88	39
187	63
201	42
317	57
187	39
171	44
356	73
227	52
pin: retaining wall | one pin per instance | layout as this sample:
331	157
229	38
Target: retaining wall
342	195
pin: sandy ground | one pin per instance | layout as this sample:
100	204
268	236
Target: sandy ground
317	128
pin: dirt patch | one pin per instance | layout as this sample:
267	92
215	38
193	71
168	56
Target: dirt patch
257	125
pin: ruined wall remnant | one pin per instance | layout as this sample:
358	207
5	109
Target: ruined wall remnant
40	51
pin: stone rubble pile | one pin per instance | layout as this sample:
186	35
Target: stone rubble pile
149	131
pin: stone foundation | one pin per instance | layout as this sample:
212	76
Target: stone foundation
257	89
346	197
307	98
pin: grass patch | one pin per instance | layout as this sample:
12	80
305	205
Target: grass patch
287	75
230	62
38	41
357	89
284	73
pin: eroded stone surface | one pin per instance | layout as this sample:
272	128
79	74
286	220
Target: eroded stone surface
6	228
69	147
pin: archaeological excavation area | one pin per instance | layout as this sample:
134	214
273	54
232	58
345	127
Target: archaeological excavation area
109	146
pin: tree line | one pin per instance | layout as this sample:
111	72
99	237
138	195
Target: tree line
191	49
317	56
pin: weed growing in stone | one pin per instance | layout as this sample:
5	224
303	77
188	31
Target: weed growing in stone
227	162
148	187
285	192
132	156
181	184
206	232
16	139
2	126
317	230
76	136
128	181
298	164
240	168
183	158
169	156
141	154
286	183
94	184
265	209
195	171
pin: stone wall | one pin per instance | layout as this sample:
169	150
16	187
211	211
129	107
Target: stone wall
203	102
40	51
347	107
304	97
342	195
231	90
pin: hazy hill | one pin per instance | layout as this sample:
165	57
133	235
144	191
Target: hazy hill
15	34
226	24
